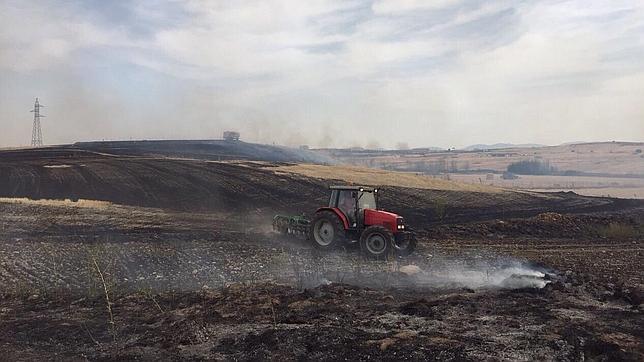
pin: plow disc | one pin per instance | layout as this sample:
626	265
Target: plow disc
291	225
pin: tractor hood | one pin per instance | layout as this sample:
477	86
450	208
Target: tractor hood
385	214
379	217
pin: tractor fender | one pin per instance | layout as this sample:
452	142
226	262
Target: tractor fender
338	212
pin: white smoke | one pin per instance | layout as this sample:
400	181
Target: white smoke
433	273
487	276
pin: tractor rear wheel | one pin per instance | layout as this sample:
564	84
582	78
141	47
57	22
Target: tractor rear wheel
376	242
327	230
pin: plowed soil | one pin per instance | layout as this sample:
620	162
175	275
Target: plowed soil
107	257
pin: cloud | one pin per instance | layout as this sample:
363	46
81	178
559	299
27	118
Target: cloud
38	35
402	6
445	73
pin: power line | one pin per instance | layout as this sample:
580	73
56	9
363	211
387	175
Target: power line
36	133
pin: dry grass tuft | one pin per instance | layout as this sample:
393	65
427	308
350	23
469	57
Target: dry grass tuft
83	203
377	177
57	166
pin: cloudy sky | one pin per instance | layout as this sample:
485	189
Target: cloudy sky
442	73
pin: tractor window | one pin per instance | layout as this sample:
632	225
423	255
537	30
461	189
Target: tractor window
333	201
347	203
367	201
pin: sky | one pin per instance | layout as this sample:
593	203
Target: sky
326	73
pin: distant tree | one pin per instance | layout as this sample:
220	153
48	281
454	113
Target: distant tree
402	146
509	176
531	167
419	166
442	164
373	145
453	166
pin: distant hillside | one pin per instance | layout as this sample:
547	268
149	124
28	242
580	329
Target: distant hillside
206	149
598	159
496	146
59	173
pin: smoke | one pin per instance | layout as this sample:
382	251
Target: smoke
189	70
308	269
487	275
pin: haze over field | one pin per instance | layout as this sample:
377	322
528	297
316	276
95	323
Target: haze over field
325	73
454	180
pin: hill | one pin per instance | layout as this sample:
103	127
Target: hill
205	149
496	146
600	158
245	186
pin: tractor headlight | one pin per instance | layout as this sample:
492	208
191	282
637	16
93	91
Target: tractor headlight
400	223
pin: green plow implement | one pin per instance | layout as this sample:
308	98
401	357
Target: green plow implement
291	225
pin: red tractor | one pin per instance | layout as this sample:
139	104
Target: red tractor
352	216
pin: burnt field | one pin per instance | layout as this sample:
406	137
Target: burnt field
136	256
247	186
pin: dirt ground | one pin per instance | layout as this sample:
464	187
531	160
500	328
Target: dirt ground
180	288
154	274
328	322
632	188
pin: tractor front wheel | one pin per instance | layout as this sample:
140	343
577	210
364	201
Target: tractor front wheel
327	230
404	244
376	241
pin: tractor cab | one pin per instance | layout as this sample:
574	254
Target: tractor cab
352	201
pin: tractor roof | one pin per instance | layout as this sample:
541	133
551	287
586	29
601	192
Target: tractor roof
356	188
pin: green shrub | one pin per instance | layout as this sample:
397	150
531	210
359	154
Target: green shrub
618	231
531	167
440	209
